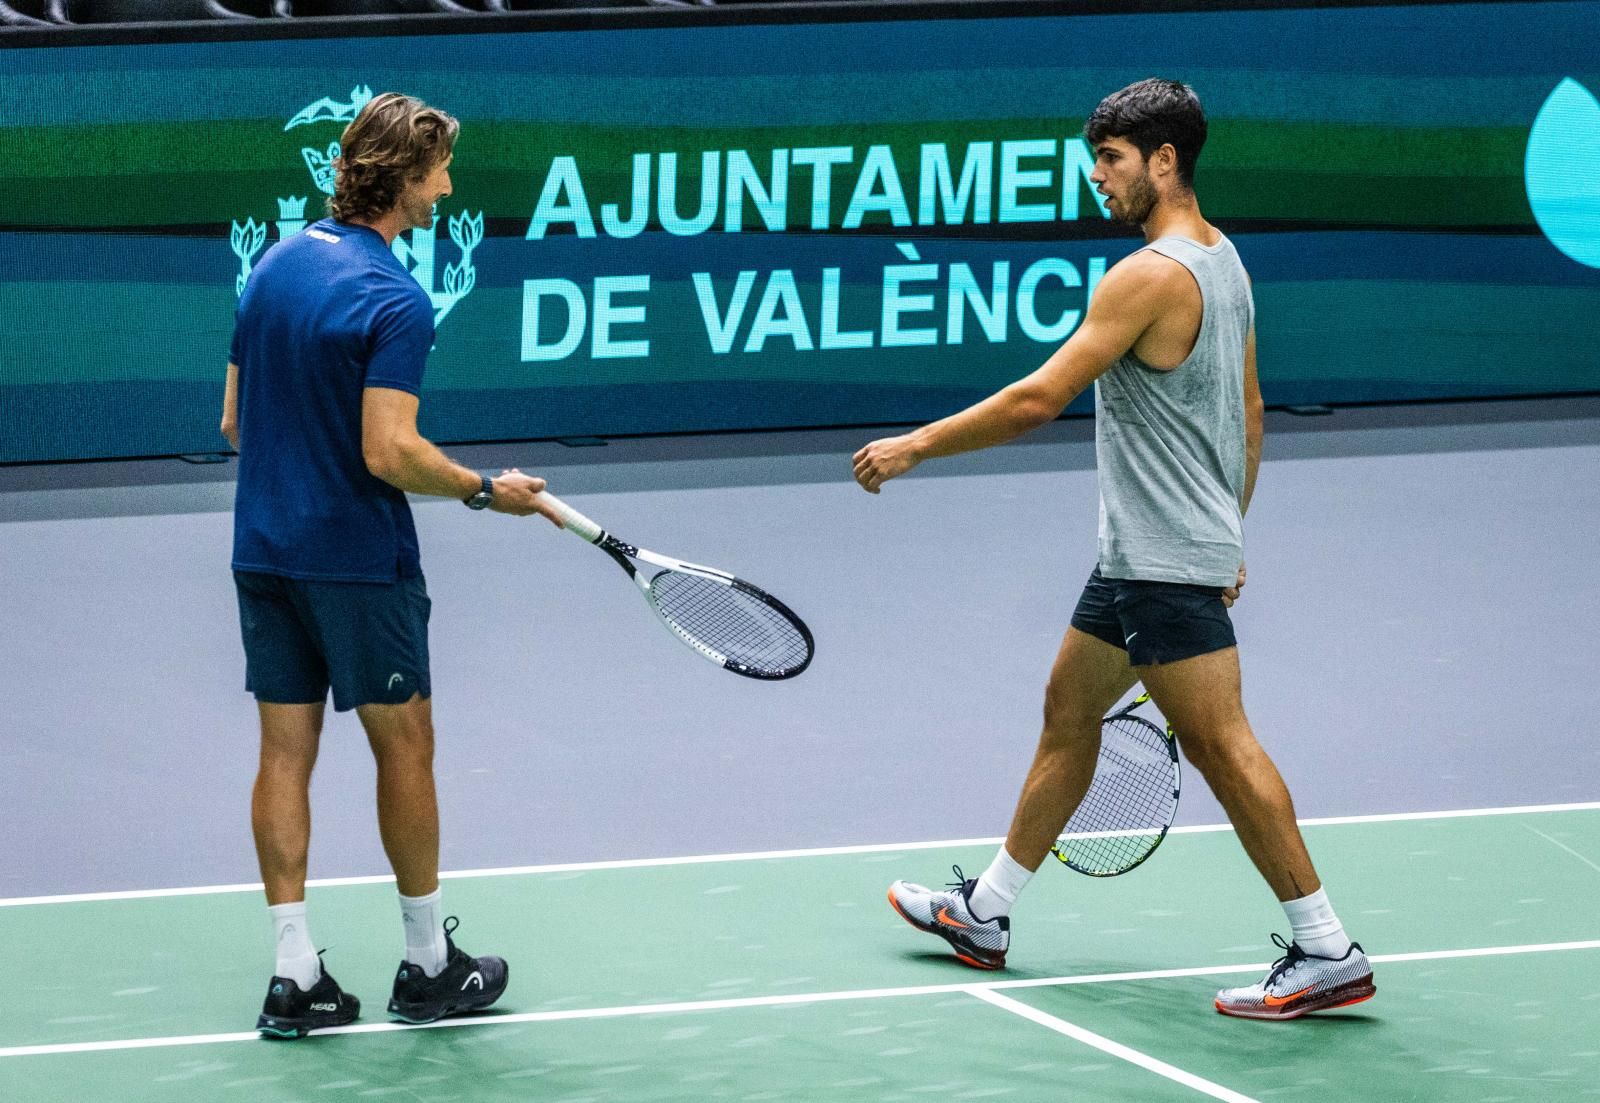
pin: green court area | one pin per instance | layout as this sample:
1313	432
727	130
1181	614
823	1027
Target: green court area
791	979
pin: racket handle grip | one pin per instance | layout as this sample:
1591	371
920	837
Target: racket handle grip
576	523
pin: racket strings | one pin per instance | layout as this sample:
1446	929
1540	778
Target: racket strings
1129	804
730	621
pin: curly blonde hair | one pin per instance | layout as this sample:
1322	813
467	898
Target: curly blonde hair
395	140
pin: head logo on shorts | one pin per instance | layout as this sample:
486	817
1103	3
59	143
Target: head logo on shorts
416	251
1562	171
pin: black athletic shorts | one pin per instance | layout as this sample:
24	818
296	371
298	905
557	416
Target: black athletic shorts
367	640
1154	622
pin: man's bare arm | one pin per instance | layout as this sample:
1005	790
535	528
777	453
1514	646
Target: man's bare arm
399	455
230	407
1125	305
1254	427
1254	421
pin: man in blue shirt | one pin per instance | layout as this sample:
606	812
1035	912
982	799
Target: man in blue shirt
321	404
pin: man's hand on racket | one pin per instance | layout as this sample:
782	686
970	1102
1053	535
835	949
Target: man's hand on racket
1231	594
518	495
884	459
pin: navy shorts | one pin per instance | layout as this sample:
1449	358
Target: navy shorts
1154	622
367	640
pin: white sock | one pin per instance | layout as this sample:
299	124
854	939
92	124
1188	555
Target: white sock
297	958
1315	927
424	931
997	889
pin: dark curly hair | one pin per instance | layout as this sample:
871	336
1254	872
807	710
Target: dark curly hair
395	141
1150	114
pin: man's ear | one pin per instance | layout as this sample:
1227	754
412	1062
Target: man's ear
1165	159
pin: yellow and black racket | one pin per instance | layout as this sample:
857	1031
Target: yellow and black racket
1132	800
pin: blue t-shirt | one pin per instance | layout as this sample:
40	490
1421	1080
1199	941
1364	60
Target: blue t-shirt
326	314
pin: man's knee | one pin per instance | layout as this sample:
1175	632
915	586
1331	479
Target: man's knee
1069	718
400	734
1220	751
413	746
290	736
287	763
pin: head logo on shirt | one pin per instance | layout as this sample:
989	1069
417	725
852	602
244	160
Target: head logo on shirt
417	250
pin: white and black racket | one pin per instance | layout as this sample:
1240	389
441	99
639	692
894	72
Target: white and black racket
738	626
1132	800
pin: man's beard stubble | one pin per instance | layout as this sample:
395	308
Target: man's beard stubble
1138	201
422	216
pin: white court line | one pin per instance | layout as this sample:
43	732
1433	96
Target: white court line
1116	1049
1553	841
763	855
791	999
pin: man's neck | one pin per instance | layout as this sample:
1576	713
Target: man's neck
388	226
1179	217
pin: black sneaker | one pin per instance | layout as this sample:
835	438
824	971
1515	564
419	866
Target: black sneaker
290	1013
466	983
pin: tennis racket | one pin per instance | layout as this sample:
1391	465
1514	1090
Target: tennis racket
724	619
1131	801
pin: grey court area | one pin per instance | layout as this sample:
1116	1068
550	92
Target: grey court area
1418	633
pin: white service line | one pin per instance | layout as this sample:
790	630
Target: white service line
765	1001
1486	951
1552	840
1116	1049
761	855
512	871
1442	814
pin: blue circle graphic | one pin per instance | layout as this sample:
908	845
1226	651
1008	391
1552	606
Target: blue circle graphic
1562	171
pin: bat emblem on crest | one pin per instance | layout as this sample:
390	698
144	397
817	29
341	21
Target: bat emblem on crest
332	110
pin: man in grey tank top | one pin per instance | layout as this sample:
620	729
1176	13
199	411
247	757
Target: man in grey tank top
1168	341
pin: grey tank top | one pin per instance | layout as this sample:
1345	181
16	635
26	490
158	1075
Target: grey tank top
1170	444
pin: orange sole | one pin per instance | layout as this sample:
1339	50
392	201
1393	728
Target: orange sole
1361	997
961	957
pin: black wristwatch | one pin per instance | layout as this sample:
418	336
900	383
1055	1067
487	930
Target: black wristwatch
482	498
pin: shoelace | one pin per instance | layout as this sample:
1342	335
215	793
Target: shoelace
961	879
451	950
1293	955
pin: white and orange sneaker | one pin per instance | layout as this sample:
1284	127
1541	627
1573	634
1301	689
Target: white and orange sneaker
980	943
1300	983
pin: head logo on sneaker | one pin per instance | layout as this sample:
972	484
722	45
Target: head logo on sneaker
473	977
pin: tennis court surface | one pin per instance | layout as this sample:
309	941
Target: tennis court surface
786	976
1416	638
